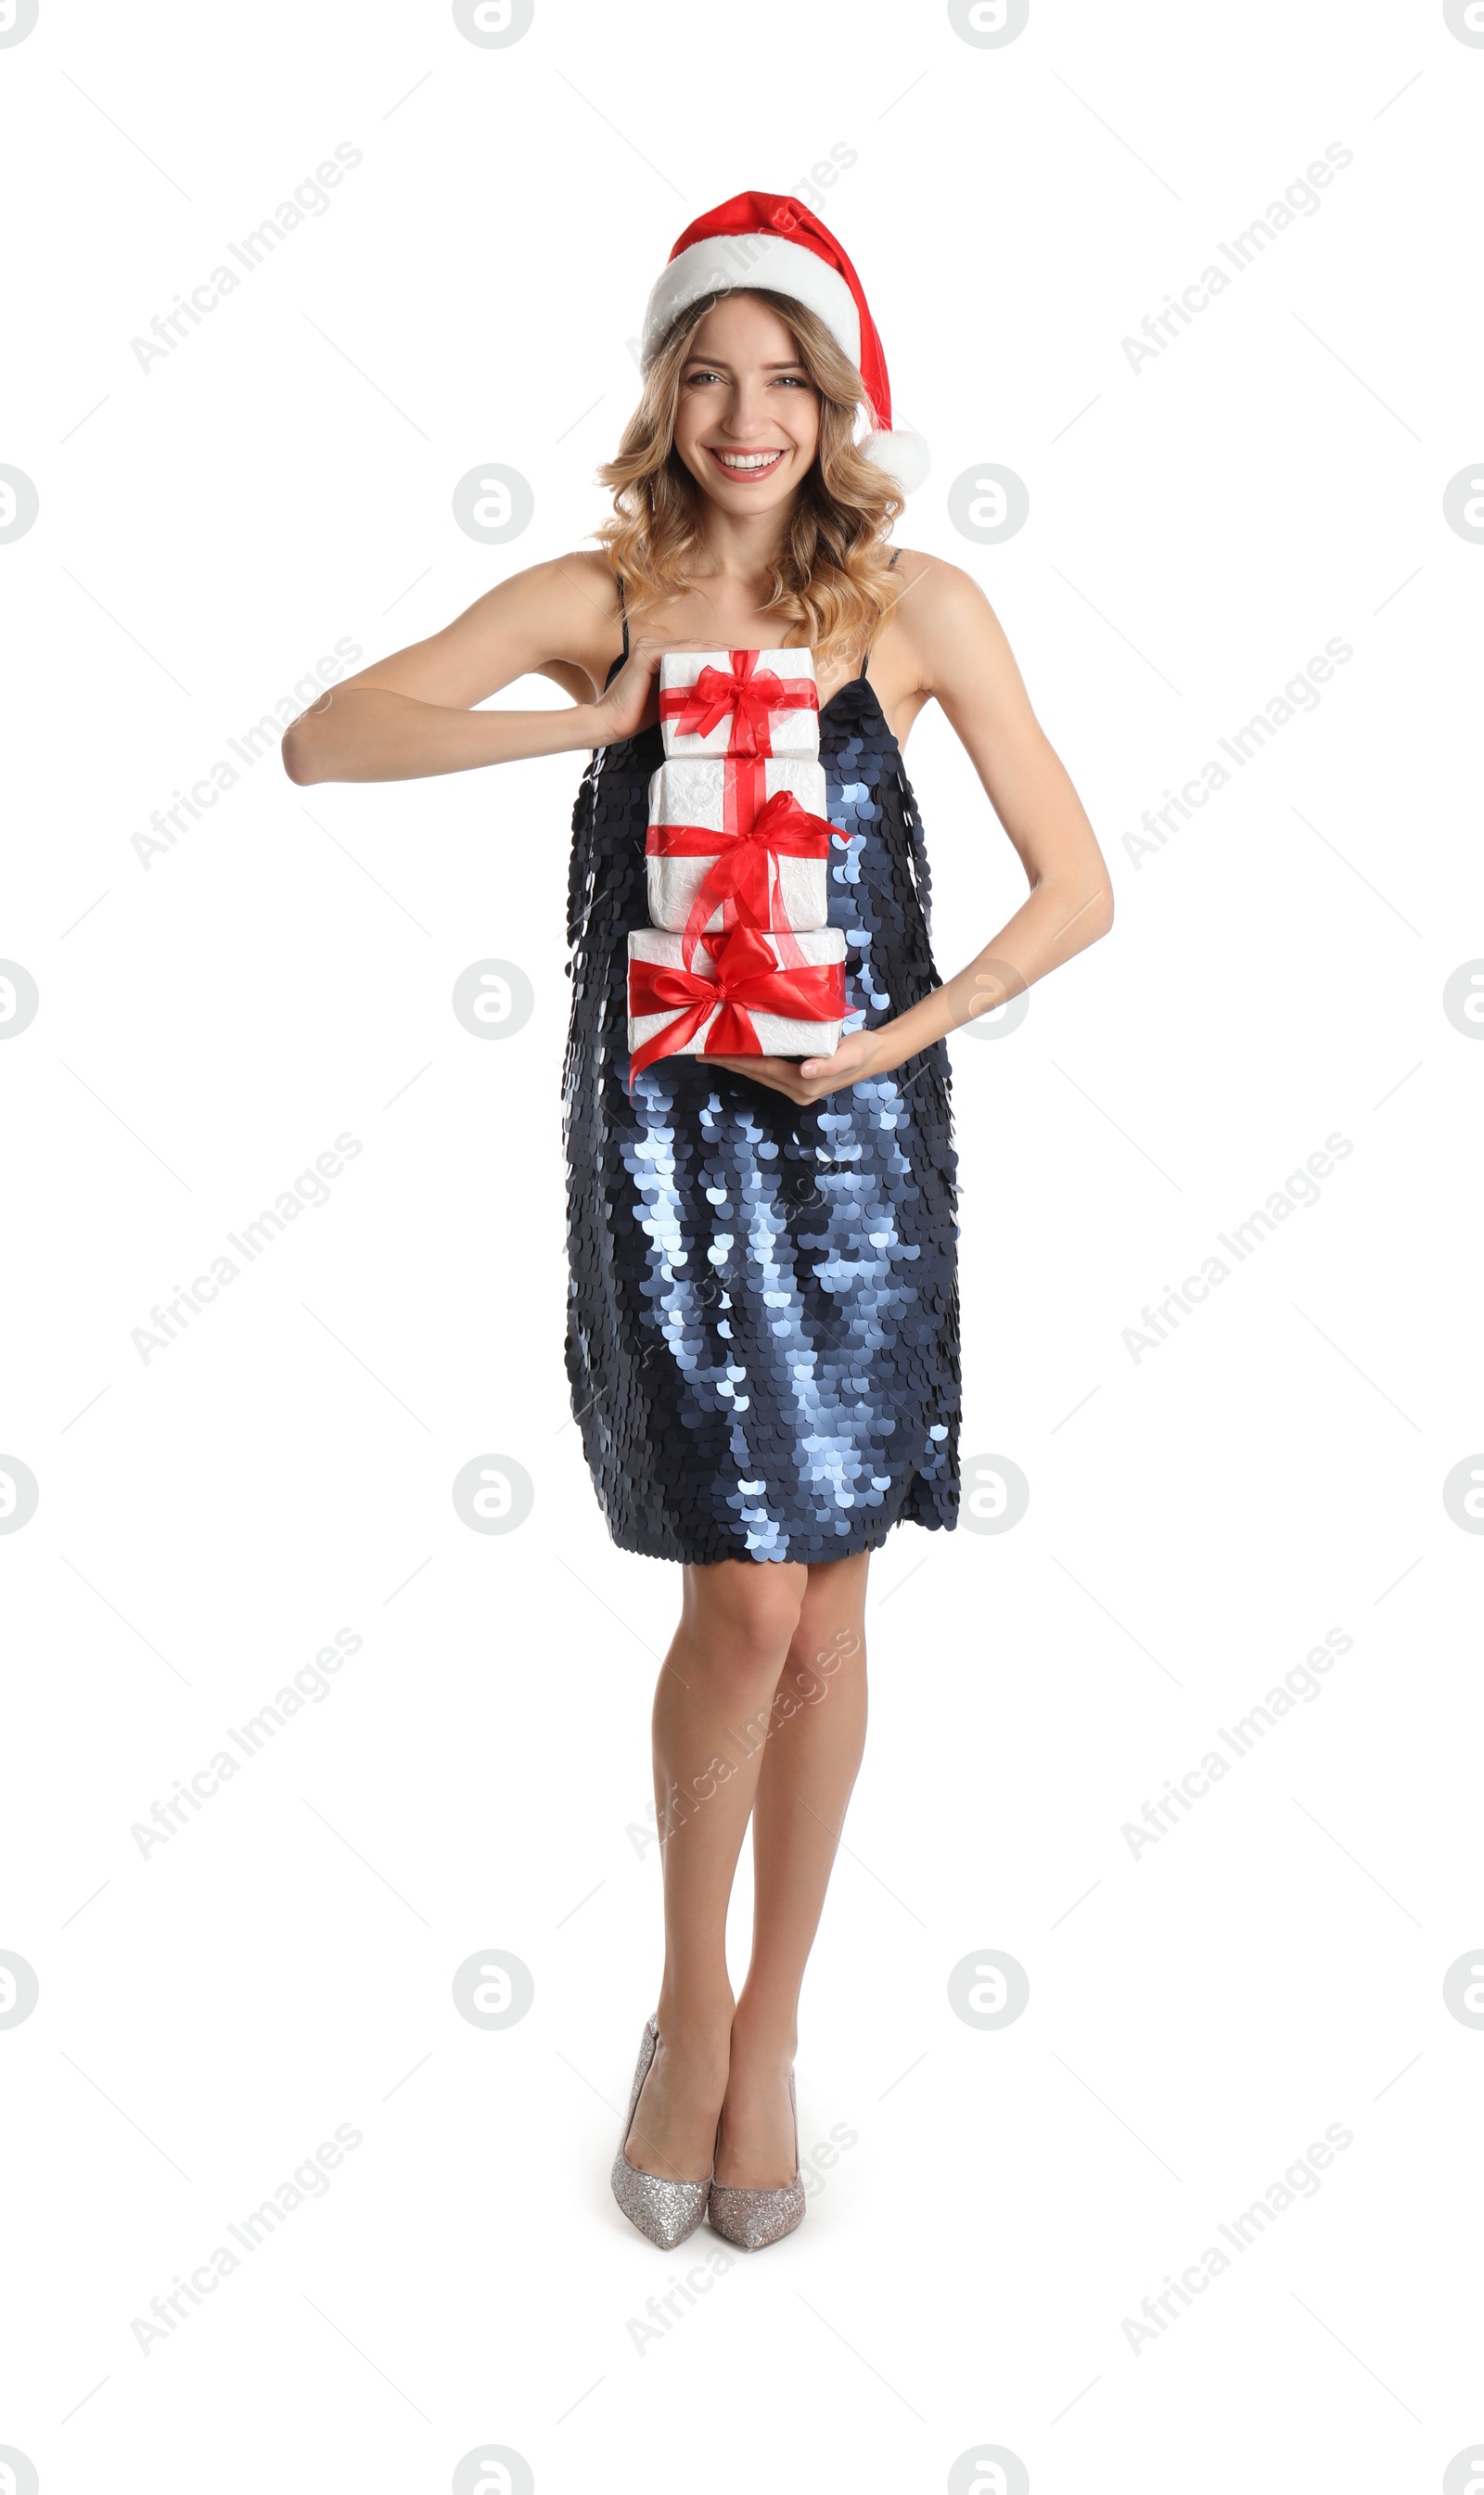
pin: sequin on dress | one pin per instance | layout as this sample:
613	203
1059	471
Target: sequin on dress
762	1324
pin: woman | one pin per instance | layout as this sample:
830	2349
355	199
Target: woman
763	1328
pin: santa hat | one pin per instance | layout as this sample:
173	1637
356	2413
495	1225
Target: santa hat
759	239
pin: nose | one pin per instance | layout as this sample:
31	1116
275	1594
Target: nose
746	418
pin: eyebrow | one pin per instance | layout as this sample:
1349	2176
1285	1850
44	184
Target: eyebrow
718	364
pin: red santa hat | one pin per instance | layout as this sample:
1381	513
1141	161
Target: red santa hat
762	239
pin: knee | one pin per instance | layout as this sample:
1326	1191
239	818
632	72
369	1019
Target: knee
828	1641
750	1625
763	1614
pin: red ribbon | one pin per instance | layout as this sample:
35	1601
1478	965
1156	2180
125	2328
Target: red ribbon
743	871
748	980
750	694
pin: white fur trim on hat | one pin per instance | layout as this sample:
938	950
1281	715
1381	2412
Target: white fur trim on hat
753	260
902	455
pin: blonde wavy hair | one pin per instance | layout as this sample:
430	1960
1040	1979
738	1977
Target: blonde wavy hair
830	582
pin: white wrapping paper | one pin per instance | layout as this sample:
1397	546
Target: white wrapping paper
724	797
779	1035
788	726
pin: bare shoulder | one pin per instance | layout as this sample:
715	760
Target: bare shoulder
559	617
934	592
570	606
577	591
942	615
589	574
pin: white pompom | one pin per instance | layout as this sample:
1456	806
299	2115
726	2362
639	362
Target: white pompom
904	457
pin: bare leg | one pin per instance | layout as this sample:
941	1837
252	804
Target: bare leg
712	1709
813	1755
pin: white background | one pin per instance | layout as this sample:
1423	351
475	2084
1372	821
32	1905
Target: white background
211	1020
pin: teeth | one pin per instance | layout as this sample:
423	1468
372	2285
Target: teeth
748	459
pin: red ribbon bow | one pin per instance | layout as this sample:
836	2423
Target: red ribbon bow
748	980
743	870
749	692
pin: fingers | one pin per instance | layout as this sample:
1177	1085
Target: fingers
792	1077
777	1074
757	1069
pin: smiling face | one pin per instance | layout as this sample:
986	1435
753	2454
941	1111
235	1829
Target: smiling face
747	422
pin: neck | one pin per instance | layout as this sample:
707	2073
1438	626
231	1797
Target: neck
742	549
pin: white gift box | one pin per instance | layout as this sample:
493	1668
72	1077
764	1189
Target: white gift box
719	702
698	808
779	1033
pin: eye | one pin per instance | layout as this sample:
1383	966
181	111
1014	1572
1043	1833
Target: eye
793	381
701	376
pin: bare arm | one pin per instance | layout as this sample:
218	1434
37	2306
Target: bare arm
967	665
963	659
412	715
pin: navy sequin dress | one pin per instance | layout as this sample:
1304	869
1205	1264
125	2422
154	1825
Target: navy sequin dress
763	1320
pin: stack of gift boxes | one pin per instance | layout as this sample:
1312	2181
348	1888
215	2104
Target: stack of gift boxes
739	960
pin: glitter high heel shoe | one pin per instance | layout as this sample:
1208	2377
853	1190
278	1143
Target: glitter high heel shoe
666	2212
753	2219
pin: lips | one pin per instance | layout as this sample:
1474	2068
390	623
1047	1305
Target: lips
760	463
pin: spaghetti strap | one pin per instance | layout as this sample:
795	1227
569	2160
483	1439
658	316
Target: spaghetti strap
623	608
866	660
